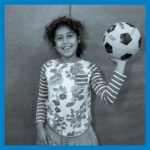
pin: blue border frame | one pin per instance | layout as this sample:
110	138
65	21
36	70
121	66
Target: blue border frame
67	2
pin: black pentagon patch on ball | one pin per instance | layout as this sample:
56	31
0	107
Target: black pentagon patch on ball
130	25
126	56
111	28
104	38
125	38
108	48
140	40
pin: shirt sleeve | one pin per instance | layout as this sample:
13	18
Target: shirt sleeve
107	92
41	111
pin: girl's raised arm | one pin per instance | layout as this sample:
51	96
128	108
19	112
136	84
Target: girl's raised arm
107	93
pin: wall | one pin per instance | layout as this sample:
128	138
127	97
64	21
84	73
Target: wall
122	123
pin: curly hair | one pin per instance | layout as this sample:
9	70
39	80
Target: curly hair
72	24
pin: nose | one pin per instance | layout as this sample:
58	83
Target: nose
65	40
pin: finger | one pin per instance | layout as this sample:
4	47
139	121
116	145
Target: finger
38	143
113	60
48	138
45	142
49	141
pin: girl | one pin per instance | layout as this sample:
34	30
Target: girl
63	115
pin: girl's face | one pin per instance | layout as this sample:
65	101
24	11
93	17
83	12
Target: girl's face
66	42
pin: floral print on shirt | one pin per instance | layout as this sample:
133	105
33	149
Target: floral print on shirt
61	94
76	116
68	105
76	94
57	121
77	68
57	77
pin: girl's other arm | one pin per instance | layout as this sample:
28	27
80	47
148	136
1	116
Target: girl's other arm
42	97
42	137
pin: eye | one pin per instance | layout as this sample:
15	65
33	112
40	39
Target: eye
59	38
70	35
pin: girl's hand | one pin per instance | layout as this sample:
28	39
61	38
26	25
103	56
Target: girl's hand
118	61
42	136
120	64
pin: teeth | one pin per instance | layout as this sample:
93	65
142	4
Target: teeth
66	48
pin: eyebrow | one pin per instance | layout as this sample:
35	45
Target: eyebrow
67	33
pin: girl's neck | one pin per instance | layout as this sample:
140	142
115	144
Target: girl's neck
69	60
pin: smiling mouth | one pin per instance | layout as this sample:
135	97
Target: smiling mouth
66	48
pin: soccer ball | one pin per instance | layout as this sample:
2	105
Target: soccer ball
122	40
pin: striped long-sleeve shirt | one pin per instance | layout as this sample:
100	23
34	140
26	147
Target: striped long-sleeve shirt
107	93
64	98
41	111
